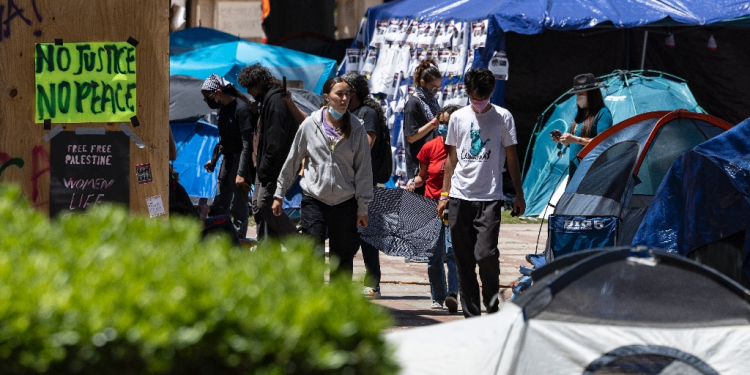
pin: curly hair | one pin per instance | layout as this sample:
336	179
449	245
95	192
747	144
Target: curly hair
359	83
256	76
427	71
480	81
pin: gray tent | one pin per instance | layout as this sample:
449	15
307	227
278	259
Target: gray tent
622	311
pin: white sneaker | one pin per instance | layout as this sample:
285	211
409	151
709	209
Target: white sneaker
371	292
436	305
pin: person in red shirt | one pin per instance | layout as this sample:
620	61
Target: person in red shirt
432	158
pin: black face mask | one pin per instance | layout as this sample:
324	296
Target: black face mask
212	103
259	97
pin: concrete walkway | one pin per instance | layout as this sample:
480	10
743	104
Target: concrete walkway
405	288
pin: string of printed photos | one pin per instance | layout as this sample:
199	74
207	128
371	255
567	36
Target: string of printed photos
390	57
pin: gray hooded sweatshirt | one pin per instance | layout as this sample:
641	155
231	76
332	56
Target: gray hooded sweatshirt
331	177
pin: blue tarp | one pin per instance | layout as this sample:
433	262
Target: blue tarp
626	95
227	59
197	37
704	197
533	17
195	144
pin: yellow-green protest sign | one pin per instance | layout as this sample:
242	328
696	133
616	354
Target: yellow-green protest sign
85	82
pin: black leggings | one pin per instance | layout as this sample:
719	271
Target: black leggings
339	222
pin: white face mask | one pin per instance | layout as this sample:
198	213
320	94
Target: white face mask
582	101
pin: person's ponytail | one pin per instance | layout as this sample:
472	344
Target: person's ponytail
427	71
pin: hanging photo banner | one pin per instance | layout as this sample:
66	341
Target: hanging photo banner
362	58
86	170
369	64
403	26
443	61
85	82
499	65
412	33
391	33
352	60
424	39
443	34
479	34
379	38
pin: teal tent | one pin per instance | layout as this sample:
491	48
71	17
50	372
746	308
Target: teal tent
227	59
626	94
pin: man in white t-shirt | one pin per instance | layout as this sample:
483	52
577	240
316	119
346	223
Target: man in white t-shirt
480	138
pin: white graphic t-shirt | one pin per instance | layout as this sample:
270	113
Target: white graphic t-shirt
480	141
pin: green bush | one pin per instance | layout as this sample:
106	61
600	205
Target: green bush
110	293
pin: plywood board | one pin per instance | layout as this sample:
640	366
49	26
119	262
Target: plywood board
24	23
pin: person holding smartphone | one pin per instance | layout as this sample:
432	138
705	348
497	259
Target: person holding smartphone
592	118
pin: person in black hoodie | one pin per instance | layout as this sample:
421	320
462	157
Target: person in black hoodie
273	139
235	137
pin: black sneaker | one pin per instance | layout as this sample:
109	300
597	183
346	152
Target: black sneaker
452	303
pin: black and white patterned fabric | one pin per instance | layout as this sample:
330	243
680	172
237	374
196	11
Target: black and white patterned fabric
214	82
402	223
429	102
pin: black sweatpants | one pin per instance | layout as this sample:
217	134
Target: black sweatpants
340	223
475	226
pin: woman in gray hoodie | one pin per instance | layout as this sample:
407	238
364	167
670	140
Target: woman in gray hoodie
337	179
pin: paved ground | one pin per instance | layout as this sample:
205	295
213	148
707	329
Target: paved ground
406	290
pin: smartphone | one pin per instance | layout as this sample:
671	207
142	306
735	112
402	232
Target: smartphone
283	85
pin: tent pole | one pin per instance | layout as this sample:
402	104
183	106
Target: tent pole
643	55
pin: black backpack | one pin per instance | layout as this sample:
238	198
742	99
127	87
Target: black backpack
382	166
382	155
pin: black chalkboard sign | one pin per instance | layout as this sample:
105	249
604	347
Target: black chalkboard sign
86	170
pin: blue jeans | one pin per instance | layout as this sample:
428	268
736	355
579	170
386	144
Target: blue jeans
436	271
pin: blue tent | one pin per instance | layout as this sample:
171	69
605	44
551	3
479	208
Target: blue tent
228	59
197	37
619	173
702	207
626	94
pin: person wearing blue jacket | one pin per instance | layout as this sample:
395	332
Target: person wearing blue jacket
592	117
337	179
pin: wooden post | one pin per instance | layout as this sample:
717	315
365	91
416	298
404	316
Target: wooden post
26	22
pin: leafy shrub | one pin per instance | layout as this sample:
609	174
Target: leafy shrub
109	293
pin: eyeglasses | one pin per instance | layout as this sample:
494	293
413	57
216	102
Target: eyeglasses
211	96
